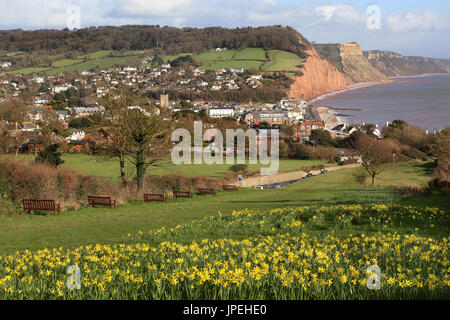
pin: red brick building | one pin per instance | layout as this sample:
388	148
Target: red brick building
302	130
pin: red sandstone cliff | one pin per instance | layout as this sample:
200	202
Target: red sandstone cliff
319	77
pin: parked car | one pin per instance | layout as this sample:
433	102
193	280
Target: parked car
259	187
277	186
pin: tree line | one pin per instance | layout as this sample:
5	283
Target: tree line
167	40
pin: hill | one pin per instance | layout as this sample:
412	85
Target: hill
394	65
168	40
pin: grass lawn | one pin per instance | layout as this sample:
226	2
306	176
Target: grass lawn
109	168
99	225
282	61
251	54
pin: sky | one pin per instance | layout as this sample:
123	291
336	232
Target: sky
413	27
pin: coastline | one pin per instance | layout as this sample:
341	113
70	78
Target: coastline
420	75
351	87
326	114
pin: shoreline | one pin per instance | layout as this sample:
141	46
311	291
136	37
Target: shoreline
420	75
351	87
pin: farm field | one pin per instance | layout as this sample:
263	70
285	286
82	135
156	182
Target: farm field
64	63
282	61
96	59
251	54
249	59
102	63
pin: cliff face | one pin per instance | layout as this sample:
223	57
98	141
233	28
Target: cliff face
349	59
319	77
357	66
393	64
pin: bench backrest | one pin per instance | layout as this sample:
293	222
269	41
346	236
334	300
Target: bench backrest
100	200
212	191
230	187
31	204
155	197
182	194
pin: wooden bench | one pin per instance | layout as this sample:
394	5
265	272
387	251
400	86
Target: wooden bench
101	201
41	205
202	191
230	188
155	198
182	194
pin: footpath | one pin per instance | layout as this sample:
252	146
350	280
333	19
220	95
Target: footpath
285	177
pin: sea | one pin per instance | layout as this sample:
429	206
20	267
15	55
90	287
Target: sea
421	101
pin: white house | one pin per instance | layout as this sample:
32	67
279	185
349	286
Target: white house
59	89
76	135
221	112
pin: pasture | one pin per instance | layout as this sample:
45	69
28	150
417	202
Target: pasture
282	61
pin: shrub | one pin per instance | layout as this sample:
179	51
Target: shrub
50	155
20	180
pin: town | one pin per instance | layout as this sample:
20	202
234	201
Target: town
70	104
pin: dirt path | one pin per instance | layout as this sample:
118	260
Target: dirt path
284	177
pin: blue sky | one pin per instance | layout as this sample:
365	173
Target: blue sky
410	27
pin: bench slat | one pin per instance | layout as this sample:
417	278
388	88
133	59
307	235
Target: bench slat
41	205
155	198
101	201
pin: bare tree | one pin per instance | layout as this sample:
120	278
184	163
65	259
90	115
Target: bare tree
139	131
376	155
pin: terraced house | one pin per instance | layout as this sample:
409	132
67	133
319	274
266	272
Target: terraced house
272	117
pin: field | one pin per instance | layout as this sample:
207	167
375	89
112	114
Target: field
100	59
251	54
100	63
282	61
64	63
90	225
250	58
109	168
311	240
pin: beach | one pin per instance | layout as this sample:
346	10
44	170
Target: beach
326	114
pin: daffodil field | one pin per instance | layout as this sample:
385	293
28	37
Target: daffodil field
298	253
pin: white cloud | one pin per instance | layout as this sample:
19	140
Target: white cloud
418	22
341	13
